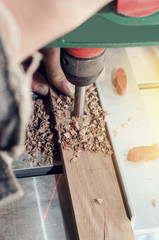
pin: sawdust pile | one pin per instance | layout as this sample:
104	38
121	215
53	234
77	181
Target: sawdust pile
87	132
39	135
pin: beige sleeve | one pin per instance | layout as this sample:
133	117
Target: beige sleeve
42	21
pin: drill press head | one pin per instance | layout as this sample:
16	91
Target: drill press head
82	66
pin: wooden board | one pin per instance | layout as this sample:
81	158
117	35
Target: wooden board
91	177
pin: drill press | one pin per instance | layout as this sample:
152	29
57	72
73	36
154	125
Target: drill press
82	66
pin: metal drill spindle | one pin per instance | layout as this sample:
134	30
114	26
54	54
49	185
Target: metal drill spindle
79	101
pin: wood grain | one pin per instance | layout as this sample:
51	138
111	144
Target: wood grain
91	177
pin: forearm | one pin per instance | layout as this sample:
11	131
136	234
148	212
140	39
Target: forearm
41	21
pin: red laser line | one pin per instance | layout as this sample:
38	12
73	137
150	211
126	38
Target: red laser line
73	126
78	50
77	67
46	212
41	207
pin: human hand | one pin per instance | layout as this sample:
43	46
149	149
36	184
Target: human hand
51	57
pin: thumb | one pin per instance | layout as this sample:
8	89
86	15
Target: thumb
39	84
54	71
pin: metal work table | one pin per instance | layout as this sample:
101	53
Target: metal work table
23	168
23	218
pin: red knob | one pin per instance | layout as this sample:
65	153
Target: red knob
84	52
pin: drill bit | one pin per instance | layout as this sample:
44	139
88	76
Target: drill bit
79	101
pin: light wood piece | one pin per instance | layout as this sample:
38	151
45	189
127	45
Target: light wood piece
97	205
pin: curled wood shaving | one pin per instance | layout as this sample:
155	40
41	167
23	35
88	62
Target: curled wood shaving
116	131
124	125
129	119
73	160
154	203
89	131
98	200
39	135
107	113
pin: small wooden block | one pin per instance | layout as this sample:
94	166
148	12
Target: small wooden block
121	82
144	153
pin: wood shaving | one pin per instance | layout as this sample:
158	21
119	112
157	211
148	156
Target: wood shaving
107	113
39	164
124	125
73	160
98	200
129	119
154	203
88	132
41	135
116	131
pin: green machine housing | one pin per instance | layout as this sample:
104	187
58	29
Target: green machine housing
109	29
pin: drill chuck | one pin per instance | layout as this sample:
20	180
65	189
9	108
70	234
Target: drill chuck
82	71
82	67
